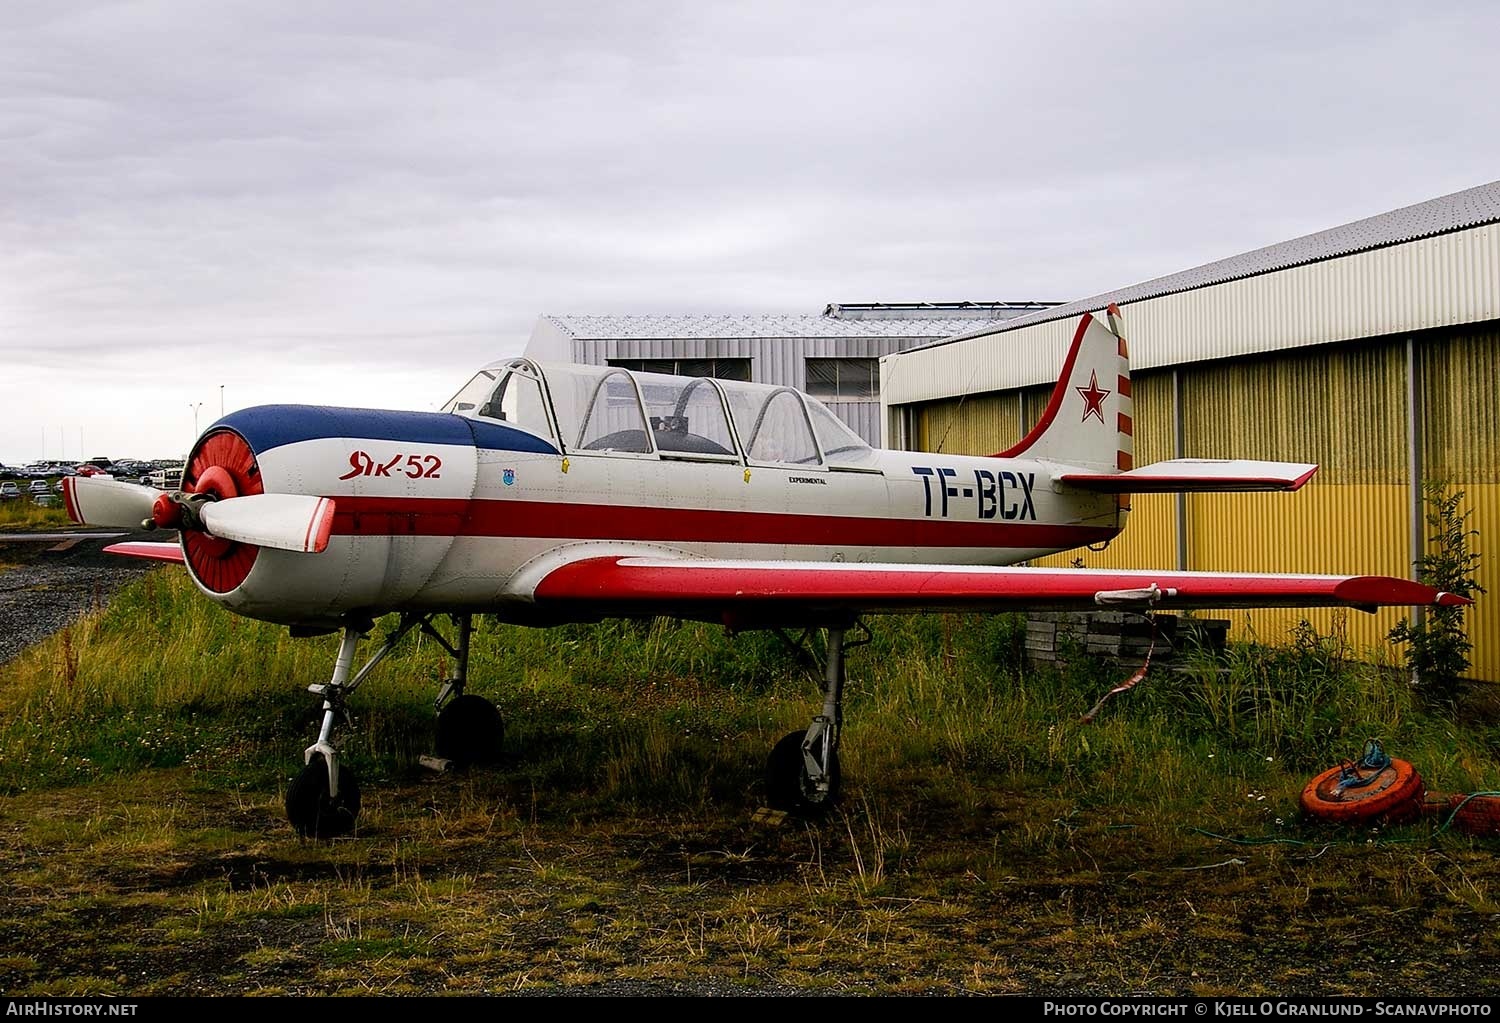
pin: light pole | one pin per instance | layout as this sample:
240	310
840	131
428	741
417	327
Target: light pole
221	401
195	406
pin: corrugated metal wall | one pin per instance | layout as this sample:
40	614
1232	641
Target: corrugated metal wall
1341	406
1461	448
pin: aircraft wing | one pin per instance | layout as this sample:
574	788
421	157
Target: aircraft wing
787	591
149	551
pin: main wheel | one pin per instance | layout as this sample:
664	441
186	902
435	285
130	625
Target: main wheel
312	813
787	785
470	731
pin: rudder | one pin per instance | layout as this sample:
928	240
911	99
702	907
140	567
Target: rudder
1088	420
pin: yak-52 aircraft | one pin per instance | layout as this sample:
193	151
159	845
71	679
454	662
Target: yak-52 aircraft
545	494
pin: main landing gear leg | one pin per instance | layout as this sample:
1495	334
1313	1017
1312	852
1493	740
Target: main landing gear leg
469	728
323	800
802	773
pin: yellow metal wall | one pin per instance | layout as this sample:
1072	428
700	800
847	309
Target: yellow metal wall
1343	407
980	425
1461	448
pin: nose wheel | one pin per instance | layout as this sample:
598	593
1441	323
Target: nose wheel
313	811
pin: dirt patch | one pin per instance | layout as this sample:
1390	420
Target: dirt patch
156	885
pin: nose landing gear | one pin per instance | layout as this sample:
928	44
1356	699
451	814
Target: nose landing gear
323	800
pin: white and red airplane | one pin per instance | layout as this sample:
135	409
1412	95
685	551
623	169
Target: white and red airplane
546	494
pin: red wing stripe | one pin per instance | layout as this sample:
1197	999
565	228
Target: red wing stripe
617	583
1123	385
1163	484
1126	426
149	551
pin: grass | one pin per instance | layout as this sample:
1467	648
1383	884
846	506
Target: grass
23	513
987	841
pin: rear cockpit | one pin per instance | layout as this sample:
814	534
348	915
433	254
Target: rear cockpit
610	410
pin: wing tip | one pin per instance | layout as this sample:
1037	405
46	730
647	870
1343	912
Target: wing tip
1301	481
149	551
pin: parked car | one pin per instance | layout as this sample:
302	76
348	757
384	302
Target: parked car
58	486
89	469
39	487
9	489
169	478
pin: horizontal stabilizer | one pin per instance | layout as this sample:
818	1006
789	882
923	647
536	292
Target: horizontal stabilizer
286	522
1195	476
149	551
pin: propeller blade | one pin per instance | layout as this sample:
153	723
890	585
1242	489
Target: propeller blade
287	522
93	501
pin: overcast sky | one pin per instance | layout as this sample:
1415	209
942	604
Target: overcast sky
358	202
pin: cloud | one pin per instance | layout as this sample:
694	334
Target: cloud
265	187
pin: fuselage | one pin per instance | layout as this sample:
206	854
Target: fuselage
466	511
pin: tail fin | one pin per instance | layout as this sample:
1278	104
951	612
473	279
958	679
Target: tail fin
1088	420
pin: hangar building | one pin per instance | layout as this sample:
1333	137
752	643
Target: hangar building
833	357
1372	349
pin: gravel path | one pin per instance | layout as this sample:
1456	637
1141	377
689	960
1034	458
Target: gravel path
45	588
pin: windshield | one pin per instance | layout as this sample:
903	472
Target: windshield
510	394
841	445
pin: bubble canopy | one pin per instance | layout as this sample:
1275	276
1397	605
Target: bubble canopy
614	411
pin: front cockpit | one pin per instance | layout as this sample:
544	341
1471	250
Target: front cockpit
611	410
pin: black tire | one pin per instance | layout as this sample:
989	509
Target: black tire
787	785
470	731
310	810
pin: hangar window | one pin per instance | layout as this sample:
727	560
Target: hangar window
719	369
843	379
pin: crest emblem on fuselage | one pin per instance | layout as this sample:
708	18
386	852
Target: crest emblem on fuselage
508	477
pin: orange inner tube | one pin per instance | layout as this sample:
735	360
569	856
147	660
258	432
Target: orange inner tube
1479	816
1394	796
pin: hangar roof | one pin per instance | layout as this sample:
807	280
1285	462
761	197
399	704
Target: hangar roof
1459	211
657	327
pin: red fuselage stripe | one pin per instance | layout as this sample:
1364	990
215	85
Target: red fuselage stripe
401	516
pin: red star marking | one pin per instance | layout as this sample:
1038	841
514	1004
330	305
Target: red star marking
1093	398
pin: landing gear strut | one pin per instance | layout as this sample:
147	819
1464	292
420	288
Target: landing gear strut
469	728
802	773
323	800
